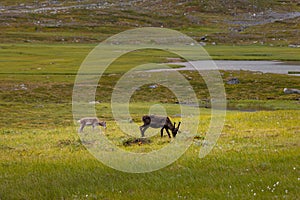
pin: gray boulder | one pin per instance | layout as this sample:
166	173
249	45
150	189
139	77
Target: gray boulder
233	81
291	91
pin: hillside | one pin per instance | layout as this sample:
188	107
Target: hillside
270	22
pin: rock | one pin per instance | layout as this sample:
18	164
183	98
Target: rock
153	86
94	102
233	81
203	38
203	44
294	45
291	91
23	87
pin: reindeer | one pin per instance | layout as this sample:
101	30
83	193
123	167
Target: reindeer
90	121
155	121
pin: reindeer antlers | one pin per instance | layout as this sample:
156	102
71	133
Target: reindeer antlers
178	125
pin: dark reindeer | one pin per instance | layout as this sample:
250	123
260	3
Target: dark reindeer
155	121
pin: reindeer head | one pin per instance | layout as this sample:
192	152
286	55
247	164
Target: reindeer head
102	124
175	130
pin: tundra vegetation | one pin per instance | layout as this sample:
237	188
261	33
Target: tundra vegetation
42	156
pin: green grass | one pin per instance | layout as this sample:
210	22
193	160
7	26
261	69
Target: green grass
48	72
254	152
42	157
39	59
253	52
67	58
257	105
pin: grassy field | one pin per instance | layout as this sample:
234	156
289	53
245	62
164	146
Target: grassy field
67	58
42	45
42	156
256	157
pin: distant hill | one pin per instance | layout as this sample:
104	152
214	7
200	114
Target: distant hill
270	22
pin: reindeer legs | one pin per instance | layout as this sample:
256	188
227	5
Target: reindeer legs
162	130
143	129
81	127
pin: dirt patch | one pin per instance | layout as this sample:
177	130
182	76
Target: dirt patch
138	141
